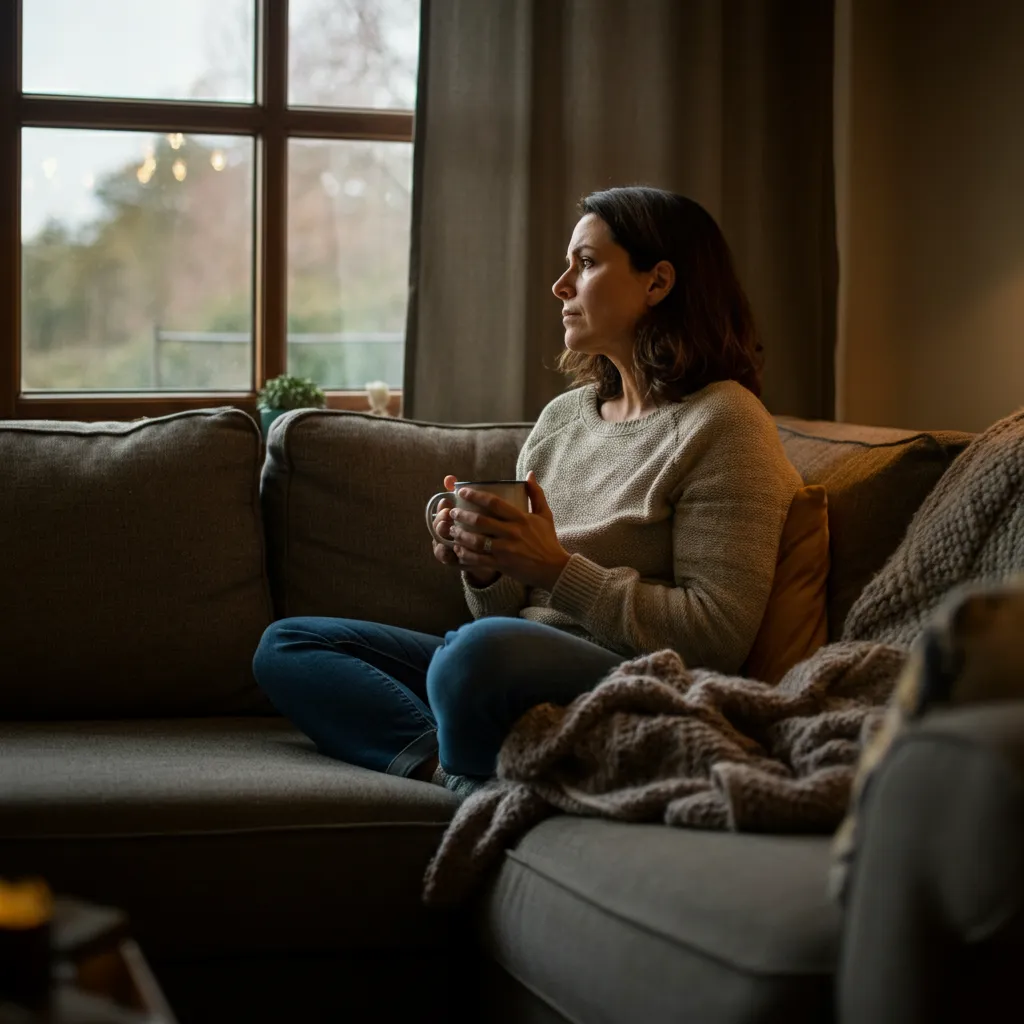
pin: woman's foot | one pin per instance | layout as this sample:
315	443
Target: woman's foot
460	785
431	771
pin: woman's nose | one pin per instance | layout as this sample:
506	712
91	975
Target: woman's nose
562	288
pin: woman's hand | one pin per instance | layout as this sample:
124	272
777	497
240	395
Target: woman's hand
523	544
442	552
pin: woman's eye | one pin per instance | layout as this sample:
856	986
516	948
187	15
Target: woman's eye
586	261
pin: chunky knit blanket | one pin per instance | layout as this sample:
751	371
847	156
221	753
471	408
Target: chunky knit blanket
657	741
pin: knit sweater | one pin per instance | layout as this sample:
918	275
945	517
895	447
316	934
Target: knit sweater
672	523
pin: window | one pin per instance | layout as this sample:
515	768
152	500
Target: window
204	195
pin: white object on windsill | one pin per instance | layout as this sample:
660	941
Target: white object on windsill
378	394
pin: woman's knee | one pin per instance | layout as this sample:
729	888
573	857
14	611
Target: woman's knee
470	666
276	662
269	647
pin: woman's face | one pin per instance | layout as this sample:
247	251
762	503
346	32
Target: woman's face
603	297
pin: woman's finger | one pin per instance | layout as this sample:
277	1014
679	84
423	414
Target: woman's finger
538	499
443	528
444	554
475	559
473	541
481	523
442	518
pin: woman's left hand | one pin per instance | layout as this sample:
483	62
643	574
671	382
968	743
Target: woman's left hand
523	544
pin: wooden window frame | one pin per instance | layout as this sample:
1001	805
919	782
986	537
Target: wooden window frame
269	120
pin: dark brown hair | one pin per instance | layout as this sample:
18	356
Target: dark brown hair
703	330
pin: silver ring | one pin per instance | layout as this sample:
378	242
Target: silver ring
488	544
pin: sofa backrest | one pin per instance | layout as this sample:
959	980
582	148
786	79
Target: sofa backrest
343	497
132	574
875	478
343	502
132	577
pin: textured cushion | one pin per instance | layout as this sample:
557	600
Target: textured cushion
343	498
131	570
613	922
795	624
223	834
875	478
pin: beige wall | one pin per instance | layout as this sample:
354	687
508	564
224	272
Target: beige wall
930	211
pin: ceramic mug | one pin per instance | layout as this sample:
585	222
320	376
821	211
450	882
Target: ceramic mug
512	491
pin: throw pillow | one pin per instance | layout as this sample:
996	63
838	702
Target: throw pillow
795	621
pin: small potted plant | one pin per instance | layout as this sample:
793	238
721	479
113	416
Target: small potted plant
286	392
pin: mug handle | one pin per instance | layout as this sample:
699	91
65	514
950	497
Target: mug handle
432	511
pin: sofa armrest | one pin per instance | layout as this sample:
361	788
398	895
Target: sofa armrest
934	929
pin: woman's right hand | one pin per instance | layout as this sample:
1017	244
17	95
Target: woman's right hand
442	524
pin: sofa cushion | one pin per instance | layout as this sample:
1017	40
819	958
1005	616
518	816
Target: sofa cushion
876	478
665	924
220	835
343	499
795	623
131	575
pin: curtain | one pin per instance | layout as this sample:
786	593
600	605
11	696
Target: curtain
930	203
524	106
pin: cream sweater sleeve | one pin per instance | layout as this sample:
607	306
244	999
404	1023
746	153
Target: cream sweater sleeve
505	596
730	499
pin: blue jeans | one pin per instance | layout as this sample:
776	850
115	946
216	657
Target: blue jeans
390	699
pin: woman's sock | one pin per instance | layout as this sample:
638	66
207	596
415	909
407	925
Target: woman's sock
460	785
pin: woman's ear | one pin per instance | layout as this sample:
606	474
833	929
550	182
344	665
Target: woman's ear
663	278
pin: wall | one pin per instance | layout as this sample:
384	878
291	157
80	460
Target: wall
929	106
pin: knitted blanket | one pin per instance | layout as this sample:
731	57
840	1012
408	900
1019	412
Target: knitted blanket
657	741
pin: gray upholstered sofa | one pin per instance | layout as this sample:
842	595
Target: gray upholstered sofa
140	766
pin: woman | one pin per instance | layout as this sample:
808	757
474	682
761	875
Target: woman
658	489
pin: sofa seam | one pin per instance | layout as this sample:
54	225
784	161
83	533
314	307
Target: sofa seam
657	933
456	427
286	451
867	445
257	506
132	426
222	832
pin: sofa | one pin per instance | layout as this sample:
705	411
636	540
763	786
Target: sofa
140	765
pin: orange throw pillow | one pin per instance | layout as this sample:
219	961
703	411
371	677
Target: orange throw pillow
795	624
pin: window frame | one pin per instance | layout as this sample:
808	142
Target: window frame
269	120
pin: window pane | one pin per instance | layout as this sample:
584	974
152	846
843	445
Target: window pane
137	49
353	53
348	260
136	261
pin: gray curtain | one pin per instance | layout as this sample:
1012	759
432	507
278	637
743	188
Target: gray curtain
526	105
